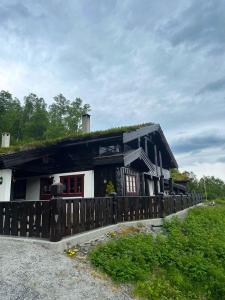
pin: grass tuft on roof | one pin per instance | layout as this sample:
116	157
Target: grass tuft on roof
78	135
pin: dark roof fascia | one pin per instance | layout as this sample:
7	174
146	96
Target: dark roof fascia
130	136
173	160
11	160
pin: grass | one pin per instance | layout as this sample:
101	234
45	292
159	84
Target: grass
187	261
78	135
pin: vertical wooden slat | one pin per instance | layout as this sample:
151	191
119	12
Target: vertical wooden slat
23	219
38	218
45	218
1	217
75	216
31	212
6	226
88	216
68	217
14	222
82	214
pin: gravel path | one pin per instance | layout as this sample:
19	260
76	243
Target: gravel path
33	272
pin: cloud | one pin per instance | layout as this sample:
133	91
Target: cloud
132	61
202	24
198	142
215	86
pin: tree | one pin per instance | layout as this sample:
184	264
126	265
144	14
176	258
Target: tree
65	116
10	115
36	121
35	118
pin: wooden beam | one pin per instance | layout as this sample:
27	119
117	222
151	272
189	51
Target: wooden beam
146	145
156	159
160	163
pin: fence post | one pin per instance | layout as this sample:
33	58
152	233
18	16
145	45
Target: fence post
115	207
161	205
174	204
56	212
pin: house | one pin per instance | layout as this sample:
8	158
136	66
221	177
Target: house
136	159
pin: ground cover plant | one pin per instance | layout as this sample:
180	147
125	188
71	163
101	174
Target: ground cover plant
186	261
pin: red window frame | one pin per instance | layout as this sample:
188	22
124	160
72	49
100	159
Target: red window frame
45	184
130	184
77	192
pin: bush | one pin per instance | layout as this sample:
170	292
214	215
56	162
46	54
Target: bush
186	262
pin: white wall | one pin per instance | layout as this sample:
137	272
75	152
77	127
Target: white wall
88	181
5	187
151	187
33	188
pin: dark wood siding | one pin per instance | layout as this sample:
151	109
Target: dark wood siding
102	174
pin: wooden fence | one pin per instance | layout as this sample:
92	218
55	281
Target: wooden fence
64	217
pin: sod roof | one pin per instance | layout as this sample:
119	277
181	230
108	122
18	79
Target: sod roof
72	137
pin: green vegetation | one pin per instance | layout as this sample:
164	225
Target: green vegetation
109	188
35	121
213	187
187	261
34	124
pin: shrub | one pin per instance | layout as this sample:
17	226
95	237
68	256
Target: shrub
186	262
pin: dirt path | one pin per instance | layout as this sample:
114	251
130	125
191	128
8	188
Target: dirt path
33	272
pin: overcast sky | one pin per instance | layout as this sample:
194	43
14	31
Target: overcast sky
132	61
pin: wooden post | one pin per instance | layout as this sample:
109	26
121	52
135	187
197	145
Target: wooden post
161	184
160	163
56	212
115	207
170	185
139	142
156	159
156	190
146	145
143	184
162	206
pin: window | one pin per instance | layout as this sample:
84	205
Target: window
45	188
131	184
107	150
19	189
73	186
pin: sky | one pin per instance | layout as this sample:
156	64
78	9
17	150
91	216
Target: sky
133	61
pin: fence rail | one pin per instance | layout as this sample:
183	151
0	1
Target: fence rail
64	217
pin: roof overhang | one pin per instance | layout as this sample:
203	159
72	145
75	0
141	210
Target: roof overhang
140	132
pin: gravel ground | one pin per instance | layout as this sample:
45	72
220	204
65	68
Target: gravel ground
33	272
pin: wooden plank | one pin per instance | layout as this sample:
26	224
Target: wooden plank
31	214
38	210
63	220
136	217
82	214
14	222
23	219
92	213
68	217
1	217
150	207
96	213
75	216
88	214
126	208
45	219
6	226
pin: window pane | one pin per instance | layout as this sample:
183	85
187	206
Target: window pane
79	184
65	185
72	184
134	184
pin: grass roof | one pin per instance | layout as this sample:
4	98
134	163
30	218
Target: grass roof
78	136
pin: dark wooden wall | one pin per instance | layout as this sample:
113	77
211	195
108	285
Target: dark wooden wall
101	174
